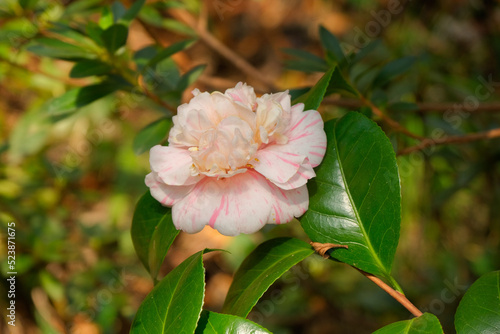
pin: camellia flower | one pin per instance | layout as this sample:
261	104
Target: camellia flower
236	162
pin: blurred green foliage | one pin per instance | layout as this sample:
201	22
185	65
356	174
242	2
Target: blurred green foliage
70	174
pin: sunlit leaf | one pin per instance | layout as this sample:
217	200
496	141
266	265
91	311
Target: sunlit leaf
260	269
355	198
153	232
425	324
217	323
479	309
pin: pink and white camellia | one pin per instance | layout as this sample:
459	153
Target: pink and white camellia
236	162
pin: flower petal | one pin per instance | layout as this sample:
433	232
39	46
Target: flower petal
243	203
173	165
244	94
276	165
166	195
300	178
306	136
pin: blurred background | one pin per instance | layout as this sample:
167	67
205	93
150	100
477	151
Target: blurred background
70	183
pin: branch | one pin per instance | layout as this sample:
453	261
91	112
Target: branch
392	123
495	133
222	49
400	298
425	107
323	248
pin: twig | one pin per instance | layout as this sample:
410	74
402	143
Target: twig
222	49
426	107
495	133
158	100
392	123
393	293
322	248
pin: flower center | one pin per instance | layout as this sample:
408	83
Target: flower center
225	150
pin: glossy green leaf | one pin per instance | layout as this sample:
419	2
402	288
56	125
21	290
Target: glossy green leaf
217	323
87	68
54	48
313	98
151	135
114	37
260	269
392	70
153	232
331	45
169	51
355	198
425	324
77	98
479	309
175	304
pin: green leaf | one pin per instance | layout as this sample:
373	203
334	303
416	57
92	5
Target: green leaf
87	68
106	19
392	70
153	232
118	10
94	31
77	98
175	304
132	12
355	198
331	46
305	61
260	269
313	98
169	51
338	84
217	323
54	48
151	135
479	309
29	134
189	77
425	324
114	37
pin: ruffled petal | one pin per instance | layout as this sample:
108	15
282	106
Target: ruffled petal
300	178
243	94
243	203
166	195
173	165
306	136
276	165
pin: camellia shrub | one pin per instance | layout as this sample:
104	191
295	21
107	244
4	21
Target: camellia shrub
238	161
